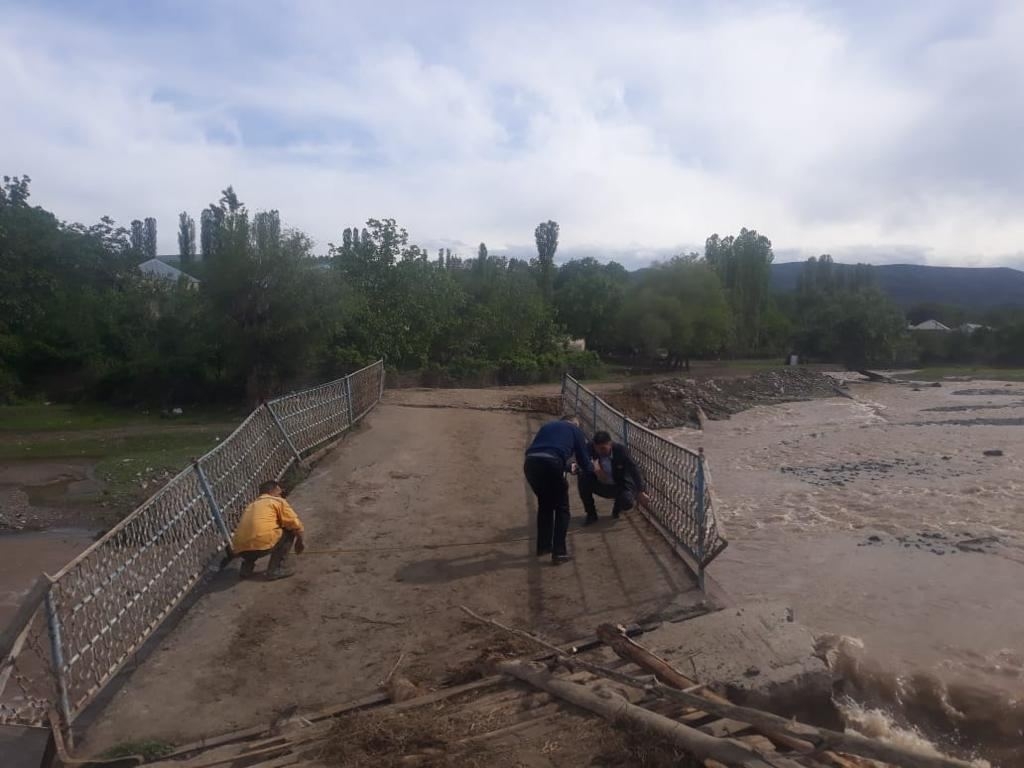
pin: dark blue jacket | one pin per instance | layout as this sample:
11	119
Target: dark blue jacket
563	440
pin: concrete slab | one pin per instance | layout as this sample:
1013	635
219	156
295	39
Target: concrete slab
757	655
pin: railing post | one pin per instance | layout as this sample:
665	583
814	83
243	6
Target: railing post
593	400
348	397
380	394
625	431
284	434
576	402
218	518
701	516
57	656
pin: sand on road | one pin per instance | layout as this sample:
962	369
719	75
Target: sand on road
412	479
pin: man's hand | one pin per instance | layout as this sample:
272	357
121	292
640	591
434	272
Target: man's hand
300	545
645	498
574	468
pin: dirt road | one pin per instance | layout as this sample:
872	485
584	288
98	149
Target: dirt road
410	481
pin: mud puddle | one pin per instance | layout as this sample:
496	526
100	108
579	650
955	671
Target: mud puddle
43	494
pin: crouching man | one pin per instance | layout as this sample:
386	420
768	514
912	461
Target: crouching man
613	475
269	526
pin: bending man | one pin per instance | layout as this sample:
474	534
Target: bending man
614	475
553	446
269	526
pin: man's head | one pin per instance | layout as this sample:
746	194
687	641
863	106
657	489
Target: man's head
271	488
572	419
602	443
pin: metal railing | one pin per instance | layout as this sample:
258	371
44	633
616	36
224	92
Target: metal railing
678	479
79	628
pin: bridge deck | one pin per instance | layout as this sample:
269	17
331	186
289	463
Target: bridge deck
410	482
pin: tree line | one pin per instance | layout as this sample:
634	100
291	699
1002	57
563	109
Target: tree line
268	314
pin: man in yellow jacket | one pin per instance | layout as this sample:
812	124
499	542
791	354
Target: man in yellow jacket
269	526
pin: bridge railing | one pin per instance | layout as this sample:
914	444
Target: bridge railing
678	479
89	619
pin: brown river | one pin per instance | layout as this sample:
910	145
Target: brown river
895	537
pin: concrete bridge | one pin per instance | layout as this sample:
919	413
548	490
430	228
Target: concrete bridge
420	510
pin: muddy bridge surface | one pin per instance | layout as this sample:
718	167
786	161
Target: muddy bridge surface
420	510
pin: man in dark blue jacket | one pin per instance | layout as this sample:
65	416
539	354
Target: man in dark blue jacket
546	460
613	475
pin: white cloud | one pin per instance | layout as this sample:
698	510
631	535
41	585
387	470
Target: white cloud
641	132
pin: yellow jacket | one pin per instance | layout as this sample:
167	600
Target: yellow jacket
262	523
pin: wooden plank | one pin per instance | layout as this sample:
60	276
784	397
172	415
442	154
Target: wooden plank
615	708
277	762
726	728
367	702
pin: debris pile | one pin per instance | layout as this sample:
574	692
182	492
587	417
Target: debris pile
688	402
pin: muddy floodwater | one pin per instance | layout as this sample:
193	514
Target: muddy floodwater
894	523
23	556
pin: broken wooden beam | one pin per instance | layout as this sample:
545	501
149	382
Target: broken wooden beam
615	708
778	729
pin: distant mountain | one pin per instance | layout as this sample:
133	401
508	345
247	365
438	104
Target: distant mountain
910	284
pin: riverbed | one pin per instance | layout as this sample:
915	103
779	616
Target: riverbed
893	524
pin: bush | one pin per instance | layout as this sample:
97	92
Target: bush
584	365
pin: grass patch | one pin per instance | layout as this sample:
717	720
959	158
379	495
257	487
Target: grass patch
100	445
137	467
39	417
938	373
131	466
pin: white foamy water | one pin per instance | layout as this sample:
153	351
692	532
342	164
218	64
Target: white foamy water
882	518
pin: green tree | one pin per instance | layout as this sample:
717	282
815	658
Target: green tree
677	310
839	314
743	264
587	297
149	238
546	235
186	240
138	238
209	227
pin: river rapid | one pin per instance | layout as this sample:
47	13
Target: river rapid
893	524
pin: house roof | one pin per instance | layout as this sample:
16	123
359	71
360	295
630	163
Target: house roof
163	270
930	325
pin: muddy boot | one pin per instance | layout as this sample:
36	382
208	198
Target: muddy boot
279	566
248	566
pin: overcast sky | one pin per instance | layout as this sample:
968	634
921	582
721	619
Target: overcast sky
884	131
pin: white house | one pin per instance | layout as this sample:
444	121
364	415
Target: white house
930	325
972	327
161	270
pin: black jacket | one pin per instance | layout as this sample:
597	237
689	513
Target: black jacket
624	469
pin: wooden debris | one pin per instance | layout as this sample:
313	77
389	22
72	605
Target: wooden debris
815	741
781	731
614	708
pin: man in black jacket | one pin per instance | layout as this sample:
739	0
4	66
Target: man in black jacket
612	475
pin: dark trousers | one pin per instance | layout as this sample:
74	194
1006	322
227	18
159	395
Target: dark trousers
547	479
589	487
278	555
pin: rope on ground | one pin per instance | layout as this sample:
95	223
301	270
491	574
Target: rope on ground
418	547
